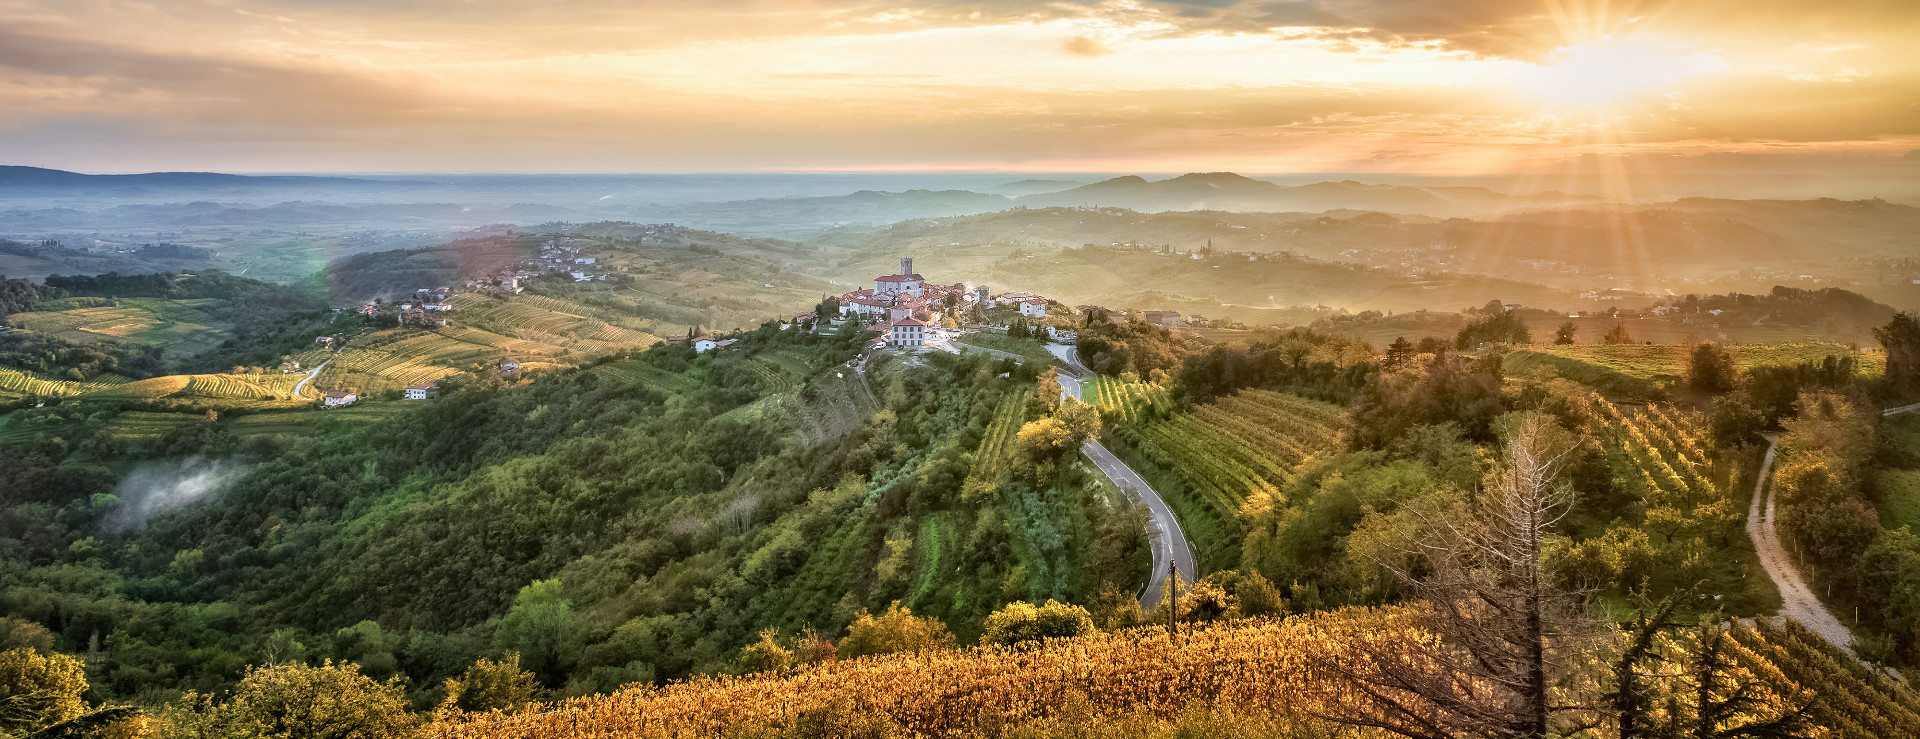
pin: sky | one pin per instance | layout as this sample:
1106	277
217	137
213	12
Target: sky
1404	86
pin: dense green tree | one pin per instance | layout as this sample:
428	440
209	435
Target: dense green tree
543	628
1901	339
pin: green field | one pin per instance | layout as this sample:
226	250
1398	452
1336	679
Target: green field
304	421
1641	371
182	326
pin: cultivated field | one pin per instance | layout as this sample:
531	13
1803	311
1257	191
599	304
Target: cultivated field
181	326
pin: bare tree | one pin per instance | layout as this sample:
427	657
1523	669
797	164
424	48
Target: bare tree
1505	634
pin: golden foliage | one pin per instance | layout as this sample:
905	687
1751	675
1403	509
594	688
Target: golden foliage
39	689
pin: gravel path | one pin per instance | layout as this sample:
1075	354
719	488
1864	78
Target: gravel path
1797	601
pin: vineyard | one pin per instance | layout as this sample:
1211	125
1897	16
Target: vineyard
1669	451
14	382
1125	402
1242	448
996	447
1256	668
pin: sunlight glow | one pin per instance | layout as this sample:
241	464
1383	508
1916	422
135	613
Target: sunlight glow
1601	75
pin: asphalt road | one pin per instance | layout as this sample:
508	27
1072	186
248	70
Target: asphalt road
1169	543
309	378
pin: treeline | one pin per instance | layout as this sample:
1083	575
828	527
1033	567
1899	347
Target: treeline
70	360
19	295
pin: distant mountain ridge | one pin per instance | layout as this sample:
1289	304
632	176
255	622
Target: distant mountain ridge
16	178
1234	192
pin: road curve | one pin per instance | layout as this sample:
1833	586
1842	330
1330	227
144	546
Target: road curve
1169	543
309	378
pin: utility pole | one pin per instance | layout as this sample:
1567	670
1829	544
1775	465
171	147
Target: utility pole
1172	603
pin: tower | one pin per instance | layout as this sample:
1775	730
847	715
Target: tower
906	266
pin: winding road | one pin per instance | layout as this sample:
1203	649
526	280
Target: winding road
1169	543
309	378
1797	600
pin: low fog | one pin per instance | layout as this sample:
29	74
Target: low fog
156	488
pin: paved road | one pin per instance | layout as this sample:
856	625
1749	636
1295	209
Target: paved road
1169	543
1797	600
309	378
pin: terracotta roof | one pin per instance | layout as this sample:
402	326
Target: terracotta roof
899	278
423	386
909	322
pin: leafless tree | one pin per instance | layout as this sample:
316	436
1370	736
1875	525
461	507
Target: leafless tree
1499	665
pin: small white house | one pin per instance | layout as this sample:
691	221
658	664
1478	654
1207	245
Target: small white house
705	343
421	391
509	366
584	260
1035	307
337	398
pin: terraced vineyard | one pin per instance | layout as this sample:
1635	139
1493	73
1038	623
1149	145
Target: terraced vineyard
1226	453
15	383
249	387
1125	402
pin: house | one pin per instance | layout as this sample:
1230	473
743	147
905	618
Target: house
324	341
1197	320
724	343
1162	317
705	343
509	367
907	332
337	398
422	391
584	260
1035	307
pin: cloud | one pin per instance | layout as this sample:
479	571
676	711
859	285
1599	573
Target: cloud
1084	46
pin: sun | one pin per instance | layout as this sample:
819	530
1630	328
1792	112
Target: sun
1607	74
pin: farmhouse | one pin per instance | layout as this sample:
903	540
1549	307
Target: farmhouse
1035	307
337	398
509	367
422	391
705	343
1163	317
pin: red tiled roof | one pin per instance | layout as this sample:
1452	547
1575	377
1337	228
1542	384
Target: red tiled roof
899	278
909	322
423	386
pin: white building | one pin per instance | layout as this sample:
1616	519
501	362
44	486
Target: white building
421	391
704	343
908	332
337	398
1035	307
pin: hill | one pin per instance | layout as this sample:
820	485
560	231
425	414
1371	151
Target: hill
16	180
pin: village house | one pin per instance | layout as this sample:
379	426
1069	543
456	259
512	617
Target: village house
422	390
509	367
337	398
1035	307
907	333
1162	317
704	344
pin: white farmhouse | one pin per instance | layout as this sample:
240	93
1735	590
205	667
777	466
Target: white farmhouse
704	343
421	391
337	398
1034	307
